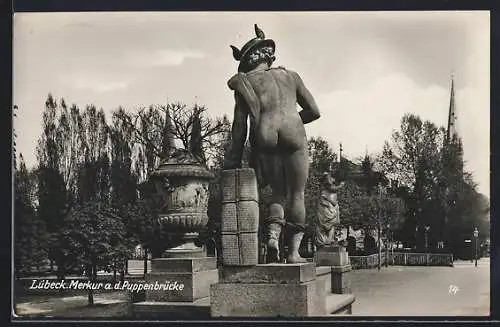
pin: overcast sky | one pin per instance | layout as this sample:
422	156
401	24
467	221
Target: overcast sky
365	69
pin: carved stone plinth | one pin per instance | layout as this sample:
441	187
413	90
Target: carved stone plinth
188	295
331	256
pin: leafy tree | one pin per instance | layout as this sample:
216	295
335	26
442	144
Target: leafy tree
370	178
322	156
96	234
52	191
382	212
351	211
142	224
428	169
94	172
123	180
412	160
30	235
69	140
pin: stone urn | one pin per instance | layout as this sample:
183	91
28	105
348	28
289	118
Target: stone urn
182	181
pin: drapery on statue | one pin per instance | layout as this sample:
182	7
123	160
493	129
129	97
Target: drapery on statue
328	214
279	154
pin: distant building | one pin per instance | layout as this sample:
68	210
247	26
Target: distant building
347	170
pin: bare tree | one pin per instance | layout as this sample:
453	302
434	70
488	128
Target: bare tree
191	127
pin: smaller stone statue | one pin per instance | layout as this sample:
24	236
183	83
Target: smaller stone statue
328	213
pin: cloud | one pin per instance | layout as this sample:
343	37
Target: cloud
163	57
96	82
365	117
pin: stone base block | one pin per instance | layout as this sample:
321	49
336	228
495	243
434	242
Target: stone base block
339	304
337	289
324	273
197	310
341	279
180	252
183	265
331	256
274	273
181	286
265	300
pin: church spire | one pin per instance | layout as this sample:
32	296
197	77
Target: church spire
452	115
340	151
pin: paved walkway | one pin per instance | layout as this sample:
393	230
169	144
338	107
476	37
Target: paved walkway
463	290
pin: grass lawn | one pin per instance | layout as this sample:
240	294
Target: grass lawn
111	305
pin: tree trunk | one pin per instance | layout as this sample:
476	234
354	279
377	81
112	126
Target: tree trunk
61	266
145	262
90	275
122	274
387	252
114	272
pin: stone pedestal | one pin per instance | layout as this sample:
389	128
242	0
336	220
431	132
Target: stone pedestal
185	288
269	290
240	217
188	249
337	261
332	256
341	280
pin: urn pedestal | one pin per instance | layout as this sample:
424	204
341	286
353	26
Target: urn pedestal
182	195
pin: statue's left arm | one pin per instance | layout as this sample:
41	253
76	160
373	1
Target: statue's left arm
310	111
238	133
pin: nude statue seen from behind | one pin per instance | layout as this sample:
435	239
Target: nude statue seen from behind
279	154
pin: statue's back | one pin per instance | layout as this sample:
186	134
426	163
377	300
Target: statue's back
276	90
279	125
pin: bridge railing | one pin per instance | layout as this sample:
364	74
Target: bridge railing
366	261
402	259
421	259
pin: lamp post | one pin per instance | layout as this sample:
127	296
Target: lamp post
476	234
426	236
416	236
387	246
379	225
